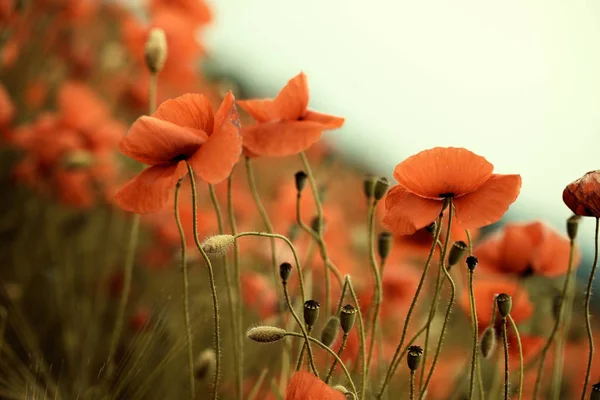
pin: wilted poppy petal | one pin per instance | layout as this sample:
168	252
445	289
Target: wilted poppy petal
285	138
405	213
190	110
292	100
487	204
149	190
154	141
583	195
306	386
443	170
328	121
227	113
262	110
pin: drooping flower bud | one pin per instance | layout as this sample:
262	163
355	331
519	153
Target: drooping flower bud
384	244
504	302
266	334
156	50
369	186
348	317
330	331
413	357
457	252
488	342
205	364
218	245
472	263
300	180
595	395
285	270
573	226
381	188
311	312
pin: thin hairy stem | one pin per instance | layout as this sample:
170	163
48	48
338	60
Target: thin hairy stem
301	355
521	370
361	331
412	385
475	334
432	312
506	377
339	353
378	285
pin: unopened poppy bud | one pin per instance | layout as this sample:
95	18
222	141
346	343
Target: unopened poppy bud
311	312
413	357
381	188
504	302
330	331
266	334
342	389
78	159
384	244
205	364
457	252
369	186
285	270
431	228
218	245
472	263
595	392
300	180
156	50
488	342
573	226
348	317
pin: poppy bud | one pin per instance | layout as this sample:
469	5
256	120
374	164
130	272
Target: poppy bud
285	269
472	263
504	302
595	392
573	226
344	391
266	334
348	317
311	312
300	180
457	251
431	228
78	159
413	357
205	364
488	342
369	186
381	188
156	50
330	331
384	244
218	245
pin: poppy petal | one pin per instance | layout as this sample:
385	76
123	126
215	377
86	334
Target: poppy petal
443	170
329	121
149	190
487	204
190	110
552	256
155	141
262	110
74	97
285	138
227	113
406	213
292	100
306	386
517	248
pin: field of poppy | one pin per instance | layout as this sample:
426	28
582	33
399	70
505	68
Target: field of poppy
166	236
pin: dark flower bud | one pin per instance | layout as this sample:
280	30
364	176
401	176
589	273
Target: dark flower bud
431	228
285	269
413	358
504	302
472	263
369	186
300	180
573	226
348	317
205	364
311	312
488	342
595	392
457	252
330	331
384	244
381	188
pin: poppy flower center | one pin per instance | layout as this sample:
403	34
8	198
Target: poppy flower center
527	272
180	157
448	195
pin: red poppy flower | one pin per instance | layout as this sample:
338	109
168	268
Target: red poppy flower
583	195
197	10
182	129
284	126
306	386
7	108
427	178
526	249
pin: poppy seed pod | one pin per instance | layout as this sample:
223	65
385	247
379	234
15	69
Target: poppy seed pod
457	252
156	50
300	180
330	331
381	188
431	228
472	263
218	245
487	342
384	244
205	364
266	334
504	302
413	357
595	395
285	270
573	226
311	312
348	317
369	186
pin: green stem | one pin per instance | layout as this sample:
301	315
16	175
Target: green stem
361	330
475	334
152	93
432	312
258	384
506	377
378	284
339	353
412	385
301	355
521	371
213	287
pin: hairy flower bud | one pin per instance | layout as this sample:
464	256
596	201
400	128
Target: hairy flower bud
330	331
156	50
504	302
488	342
205	364
300	180
457	252
218	245
413	357
595	395
266	334
384	244
348	317
573	226
472	263
381	188
285	270
311	312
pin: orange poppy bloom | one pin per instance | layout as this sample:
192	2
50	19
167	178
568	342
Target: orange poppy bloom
583	195
284	126
182	129
426	179
306	386
526	249
197	10
7	110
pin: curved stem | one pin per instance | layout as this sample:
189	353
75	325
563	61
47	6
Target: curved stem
521	371
506	378
213	288
339	353
588	324
378	284
361	330
475	335
301	355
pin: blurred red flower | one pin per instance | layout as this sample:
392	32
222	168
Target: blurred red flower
306	386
